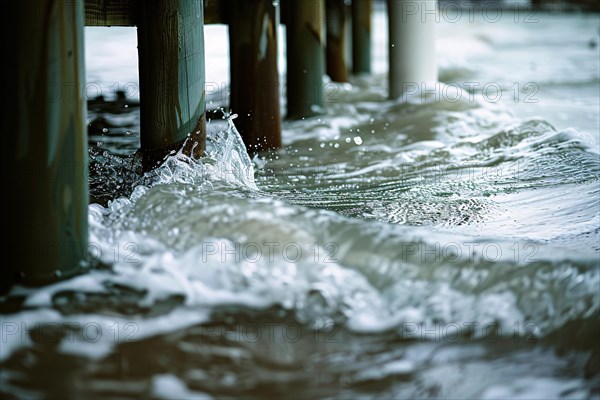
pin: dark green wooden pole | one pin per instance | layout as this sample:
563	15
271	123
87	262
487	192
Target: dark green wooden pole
361	37
44	149
335	17
255	85
172	80
305	58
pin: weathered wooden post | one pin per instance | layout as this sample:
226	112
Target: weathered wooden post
172	80
305	58
44	150
411	44
335	17
255	85
361	37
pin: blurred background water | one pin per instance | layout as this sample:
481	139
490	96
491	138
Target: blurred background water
445	244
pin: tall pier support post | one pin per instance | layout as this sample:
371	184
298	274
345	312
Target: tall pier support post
45	148
361	36
255	87
305	58
172	78
335	17
411	44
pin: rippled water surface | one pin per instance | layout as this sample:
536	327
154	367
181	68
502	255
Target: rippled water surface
444	245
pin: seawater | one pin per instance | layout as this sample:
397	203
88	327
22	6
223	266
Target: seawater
445	244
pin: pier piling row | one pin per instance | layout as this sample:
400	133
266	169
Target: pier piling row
44	123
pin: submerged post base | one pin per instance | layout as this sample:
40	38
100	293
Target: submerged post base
172	80
193	146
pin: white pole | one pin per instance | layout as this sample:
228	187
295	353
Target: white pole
411	44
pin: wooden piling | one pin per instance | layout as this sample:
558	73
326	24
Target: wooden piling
361	36
45	147
172	78
411	45
305	58
255	87
335	17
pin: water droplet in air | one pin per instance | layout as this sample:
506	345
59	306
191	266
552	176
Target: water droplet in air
358	140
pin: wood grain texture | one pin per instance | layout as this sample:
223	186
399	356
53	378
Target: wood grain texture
110	12
172	78
124	12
